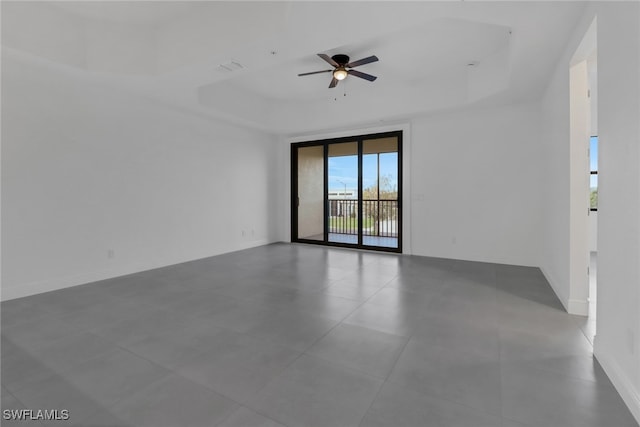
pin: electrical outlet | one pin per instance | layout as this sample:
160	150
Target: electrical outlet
243	233
453	240
111	254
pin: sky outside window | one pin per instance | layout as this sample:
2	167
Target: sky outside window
593	160
344	170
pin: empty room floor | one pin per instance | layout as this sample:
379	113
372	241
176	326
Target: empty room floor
295	335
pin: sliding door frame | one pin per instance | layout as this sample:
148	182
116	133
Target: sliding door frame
294	190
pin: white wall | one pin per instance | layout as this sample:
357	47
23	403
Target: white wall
476	184
471	176
554	142
88	168
618	309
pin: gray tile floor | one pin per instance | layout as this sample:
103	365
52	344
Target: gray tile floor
295	335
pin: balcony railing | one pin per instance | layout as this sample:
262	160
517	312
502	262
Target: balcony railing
379	217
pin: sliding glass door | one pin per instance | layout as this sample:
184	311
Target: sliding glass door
342	197
380	203
310	165
347	192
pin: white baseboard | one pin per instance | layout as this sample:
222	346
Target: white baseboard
572	306
630	395
41	286
554	285
53	284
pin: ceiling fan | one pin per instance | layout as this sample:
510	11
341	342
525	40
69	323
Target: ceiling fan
342	68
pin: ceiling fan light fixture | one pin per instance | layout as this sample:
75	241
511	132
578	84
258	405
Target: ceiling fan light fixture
340	63
340	73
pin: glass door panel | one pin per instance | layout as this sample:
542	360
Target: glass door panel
380	204
311	193
342	168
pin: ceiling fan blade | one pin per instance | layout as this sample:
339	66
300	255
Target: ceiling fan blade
362	61
362	75
328	59
314	72
334	83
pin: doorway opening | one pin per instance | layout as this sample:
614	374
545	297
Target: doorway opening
348	192
583	153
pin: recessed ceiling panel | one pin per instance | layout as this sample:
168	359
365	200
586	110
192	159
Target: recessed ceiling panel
406	58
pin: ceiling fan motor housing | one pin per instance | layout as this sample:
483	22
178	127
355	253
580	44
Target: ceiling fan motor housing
341	59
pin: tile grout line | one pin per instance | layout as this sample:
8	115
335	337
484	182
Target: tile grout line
384	382
304	353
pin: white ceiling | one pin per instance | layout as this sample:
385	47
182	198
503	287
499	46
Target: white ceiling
171	51
403	63
126	12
